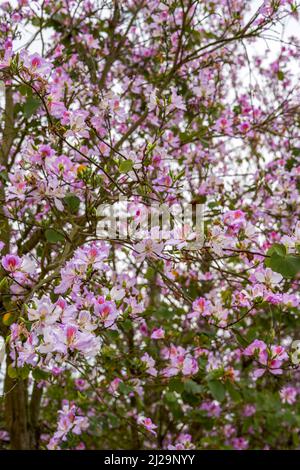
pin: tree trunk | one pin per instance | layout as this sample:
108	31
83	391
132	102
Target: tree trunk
21	415
17	412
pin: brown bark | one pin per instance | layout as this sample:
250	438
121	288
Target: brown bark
22	415
16	412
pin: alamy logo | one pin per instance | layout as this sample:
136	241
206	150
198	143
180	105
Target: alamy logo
178	225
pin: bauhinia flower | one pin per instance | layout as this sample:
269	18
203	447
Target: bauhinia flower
148	424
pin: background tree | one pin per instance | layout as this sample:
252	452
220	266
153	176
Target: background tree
129	343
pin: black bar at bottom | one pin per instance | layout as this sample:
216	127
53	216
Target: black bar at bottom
151	459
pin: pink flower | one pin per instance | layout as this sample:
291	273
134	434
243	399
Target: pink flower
256	346
190	366
45	151
80	384
57	109
157	333
288	395
35	63
268	277
240	443
181	361
277	357
147	423
212	407
272	359
150	362
92	255
91	41
176	101
11	263
114	385
183	442
234	218
163	183
223	125
78	126
148	248
249	410
58	50
8	52
201	307
69	421
44	311
229	430
244	127
107	312
85	342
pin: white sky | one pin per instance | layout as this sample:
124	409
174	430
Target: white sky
291	27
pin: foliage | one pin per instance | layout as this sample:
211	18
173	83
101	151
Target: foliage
127	343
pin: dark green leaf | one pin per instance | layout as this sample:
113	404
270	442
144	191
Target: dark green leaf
126	166
73	202
217	390
12	372
280	75
296	151
125	388
30	106
39	374
192	387
24	372
233	392
53	236
288	266
277	248
176	385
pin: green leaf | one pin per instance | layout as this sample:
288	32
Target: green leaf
25	90
150	273
4	284
12	372
192	387
73	202
296	151
217	390
215	374
53	236
288	266
113	419
176	385
126	166
125	388
112	335
192	400
4	176
278	249
39	374
163	312
127	325
24	372
8	318
233	392
241	340
281	262
170	397
280	75
30	106
36	21
201	199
